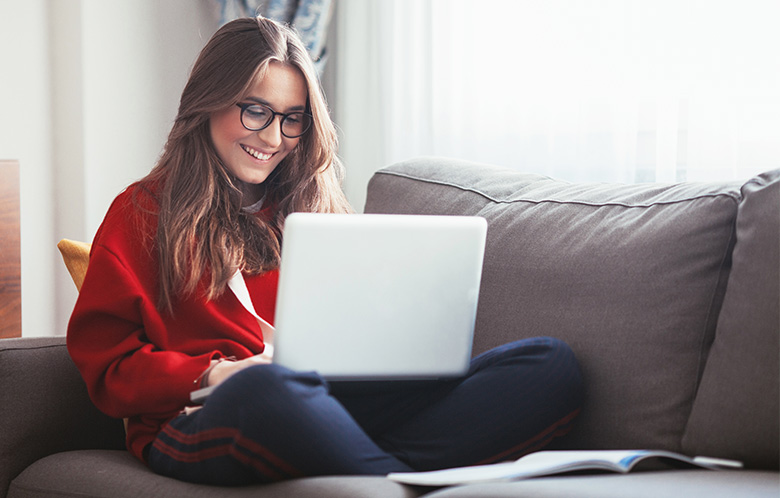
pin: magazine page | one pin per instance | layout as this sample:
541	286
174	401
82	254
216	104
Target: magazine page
545	463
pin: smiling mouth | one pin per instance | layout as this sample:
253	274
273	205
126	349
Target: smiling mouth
256	153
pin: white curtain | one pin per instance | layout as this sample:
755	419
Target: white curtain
599	90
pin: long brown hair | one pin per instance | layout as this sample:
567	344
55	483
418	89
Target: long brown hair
202	231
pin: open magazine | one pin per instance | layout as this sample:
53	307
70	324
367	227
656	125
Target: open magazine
545	463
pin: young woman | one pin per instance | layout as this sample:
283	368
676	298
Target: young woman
156	317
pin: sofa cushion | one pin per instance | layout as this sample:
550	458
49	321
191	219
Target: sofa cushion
736	411
44	406
680	483
117	474
630	276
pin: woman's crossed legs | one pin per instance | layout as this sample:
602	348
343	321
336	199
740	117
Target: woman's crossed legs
268	423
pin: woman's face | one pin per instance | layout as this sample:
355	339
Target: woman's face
252	155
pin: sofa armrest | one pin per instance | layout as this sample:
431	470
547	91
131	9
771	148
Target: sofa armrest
44	406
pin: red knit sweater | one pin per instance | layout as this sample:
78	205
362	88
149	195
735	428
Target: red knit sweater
140	363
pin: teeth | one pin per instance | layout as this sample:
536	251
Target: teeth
256	153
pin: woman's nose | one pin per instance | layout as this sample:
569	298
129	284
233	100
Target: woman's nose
272	134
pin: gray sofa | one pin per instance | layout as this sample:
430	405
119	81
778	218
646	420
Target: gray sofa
668	295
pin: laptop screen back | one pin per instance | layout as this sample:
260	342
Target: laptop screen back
367	296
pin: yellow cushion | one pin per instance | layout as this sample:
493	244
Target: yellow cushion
76	257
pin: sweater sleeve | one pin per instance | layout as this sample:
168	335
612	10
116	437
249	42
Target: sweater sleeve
108	339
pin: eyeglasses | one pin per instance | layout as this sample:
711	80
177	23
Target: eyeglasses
256	117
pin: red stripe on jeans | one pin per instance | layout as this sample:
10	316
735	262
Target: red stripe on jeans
215	452
557	429
193	456
199	437
258	465
255	448
239	439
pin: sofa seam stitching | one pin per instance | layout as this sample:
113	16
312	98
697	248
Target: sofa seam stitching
30	348
734	197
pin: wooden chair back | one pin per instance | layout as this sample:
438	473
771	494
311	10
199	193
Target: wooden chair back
10	251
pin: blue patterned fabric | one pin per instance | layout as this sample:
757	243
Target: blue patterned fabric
308	17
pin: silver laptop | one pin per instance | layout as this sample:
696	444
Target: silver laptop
377	296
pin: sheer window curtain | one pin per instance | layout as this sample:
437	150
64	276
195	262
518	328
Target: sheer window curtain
610	90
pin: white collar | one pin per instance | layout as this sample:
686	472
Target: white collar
256	207
237	284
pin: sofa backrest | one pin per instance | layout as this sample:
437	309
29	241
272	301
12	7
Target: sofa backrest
737	409
631	276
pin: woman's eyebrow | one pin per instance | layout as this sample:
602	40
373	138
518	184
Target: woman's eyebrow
268	104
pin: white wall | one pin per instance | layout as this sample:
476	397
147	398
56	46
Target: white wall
88	94
25	134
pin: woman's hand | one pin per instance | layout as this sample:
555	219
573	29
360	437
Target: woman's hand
221	370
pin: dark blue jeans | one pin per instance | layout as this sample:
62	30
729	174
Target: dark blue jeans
268	423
